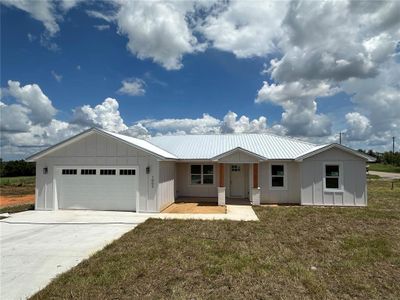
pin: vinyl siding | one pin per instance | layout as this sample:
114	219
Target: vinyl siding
166	185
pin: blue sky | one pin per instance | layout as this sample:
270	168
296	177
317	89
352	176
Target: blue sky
194	59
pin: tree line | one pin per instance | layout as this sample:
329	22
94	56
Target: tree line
15	168
388	157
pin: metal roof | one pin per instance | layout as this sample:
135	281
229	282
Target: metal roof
208	146
142	144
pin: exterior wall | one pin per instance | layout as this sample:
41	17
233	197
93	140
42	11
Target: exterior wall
166	185
292	192
185	189
354	180
97	150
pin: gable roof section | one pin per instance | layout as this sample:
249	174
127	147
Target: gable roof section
206	147
131	141
238	149
323	148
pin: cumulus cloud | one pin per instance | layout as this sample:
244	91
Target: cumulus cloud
359	127
105	115
230	124
133	87
298	100
35	103
102	27
245	28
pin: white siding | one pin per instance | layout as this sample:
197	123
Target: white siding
354	180
166	186
185	189
238	157
291	194
98	150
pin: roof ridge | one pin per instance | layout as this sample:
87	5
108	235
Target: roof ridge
236	134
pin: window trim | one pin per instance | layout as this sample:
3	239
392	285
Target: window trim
333	163
285	177
201	175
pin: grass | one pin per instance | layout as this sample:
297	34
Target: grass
384	168
22	180
292	253
17	208
17	186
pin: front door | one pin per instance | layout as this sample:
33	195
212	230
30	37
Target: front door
236	181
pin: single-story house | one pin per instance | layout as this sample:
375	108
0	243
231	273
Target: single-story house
101	170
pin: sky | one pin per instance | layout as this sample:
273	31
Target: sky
305	69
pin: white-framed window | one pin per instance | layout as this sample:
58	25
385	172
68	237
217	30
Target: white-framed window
278	178
127	172
69	171
88	171
201	174
108	172
333	174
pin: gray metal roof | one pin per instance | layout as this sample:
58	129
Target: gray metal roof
208	146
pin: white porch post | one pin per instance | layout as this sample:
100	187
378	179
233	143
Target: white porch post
255	191
221	185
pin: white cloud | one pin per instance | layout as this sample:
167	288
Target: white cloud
133	87
230	124
245	28
157	30
56	76
359	127
102	27
105	115
298	99
31	37
43	11
78	67
14	118
39	107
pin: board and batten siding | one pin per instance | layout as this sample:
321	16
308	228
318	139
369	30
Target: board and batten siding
166	185
354	180
289	195
185	189
97	150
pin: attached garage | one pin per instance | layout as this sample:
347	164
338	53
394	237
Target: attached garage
97	188
100	170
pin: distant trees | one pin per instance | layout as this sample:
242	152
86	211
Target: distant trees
387	157
15	168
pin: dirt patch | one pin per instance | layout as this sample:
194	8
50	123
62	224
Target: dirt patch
195	208
13	200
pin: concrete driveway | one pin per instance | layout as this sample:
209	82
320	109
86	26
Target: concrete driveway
38	245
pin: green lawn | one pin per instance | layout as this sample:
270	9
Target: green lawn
22	180
292	253
384	168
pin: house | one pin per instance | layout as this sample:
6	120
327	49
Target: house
101	170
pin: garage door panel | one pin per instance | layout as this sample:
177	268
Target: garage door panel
97	192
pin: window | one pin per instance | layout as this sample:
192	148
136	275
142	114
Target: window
332	176
202	174
127	172
69	171
278	176
45	170
88	171
108	172
235	168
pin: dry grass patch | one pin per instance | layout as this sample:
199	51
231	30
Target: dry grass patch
292	253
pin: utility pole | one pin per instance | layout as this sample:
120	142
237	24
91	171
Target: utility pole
393	144
340	137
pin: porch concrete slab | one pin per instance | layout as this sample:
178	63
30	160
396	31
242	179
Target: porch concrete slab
233	213
36	246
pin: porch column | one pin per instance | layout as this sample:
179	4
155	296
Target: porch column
221	185
255	191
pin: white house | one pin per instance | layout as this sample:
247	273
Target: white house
101	170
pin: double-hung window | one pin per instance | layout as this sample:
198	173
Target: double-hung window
278	177
333	173
201	174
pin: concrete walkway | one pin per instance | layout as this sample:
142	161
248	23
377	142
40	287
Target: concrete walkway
385	175
233	213
36	246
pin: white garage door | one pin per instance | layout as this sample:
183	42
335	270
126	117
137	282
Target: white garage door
97	188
